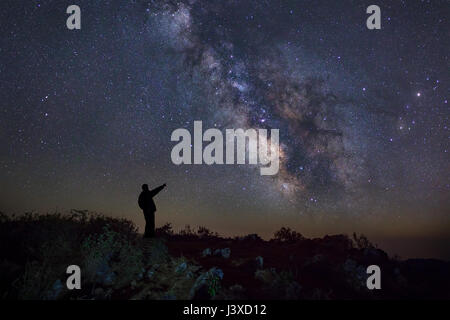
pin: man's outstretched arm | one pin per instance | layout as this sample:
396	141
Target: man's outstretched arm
155	191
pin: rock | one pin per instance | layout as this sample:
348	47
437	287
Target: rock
181	268
259	262
264	275
237	288
105	275
217	272
206	252
225	253
199	290
202	285
141	274
55	291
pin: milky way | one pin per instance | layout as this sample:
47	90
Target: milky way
252	84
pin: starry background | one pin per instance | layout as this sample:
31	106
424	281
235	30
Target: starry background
86	115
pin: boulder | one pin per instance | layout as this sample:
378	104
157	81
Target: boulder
181	267
225	252
201	288
206	252
259	262
104	275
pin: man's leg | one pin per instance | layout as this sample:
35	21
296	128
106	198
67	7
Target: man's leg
151	224
147	223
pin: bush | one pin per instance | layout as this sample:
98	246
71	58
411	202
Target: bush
287	235
165	230
187	231
36	250
279	285
204	232
362	242
109	256
35	282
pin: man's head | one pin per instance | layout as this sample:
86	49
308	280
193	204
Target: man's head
145	187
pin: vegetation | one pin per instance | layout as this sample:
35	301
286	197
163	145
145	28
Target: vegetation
195	263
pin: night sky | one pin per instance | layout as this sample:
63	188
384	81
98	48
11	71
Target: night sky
86	115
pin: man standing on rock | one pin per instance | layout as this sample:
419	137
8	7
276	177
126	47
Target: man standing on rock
147	205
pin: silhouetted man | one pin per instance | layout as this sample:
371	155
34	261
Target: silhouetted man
147	205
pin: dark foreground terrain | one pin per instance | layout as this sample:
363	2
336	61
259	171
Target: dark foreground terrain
116	263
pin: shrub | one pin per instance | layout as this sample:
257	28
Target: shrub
157	251
279	285
109	256
165	230
187	231
287	235
35	281
204	232
362	242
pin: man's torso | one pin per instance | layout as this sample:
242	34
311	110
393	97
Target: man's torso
146	201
